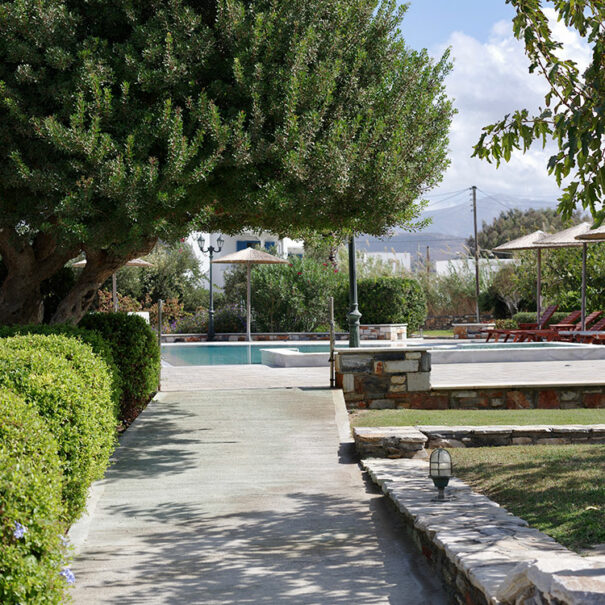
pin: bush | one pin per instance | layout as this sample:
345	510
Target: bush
286	297
506	324
527	317
99	345
384	300
30	495
71	389
136	348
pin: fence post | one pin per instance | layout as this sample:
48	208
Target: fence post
160	304
332	346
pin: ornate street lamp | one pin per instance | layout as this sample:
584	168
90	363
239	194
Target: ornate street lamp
354	314
210	250
440	470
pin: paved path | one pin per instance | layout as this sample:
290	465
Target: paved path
255	376
244	497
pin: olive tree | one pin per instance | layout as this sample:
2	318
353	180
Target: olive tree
125	121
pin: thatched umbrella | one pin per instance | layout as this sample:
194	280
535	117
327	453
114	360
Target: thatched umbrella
135	262
568	239
249	257
593	235
528	242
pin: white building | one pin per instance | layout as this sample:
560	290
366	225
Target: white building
467	265
234	243
400	261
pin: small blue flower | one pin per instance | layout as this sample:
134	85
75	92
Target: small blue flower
64	540
20	530
68	574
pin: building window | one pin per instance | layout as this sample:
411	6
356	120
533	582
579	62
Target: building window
269	245
243	244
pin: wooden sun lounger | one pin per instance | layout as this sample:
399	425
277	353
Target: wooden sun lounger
506	334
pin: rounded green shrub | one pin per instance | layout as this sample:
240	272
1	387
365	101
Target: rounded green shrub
136	350
98	344
71	389
528	317
384	300
31	551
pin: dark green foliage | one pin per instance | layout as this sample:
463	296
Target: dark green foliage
384	300
286	298
99	345
573	116
55	289
514	223
124	122
136	348
175	273
30	494
71	389
527	317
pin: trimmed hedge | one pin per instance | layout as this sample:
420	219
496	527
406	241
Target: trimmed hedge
136	349
71	389
385	300
98	344
30	495
526	317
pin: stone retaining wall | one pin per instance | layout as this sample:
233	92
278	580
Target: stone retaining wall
377	379
444	322
483	553
256	336
410	442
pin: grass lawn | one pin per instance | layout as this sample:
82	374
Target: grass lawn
475	417
559	490
437	333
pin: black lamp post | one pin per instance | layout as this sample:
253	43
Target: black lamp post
354	314
210	250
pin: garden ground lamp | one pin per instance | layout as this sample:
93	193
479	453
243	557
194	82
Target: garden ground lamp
440	470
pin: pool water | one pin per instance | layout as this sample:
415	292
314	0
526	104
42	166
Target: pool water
220	355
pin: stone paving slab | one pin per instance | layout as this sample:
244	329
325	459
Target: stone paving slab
479	545
244	497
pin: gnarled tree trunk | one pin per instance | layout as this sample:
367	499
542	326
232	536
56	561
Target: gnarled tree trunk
100	264
28	264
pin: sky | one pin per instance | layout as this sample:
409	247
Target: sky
490	79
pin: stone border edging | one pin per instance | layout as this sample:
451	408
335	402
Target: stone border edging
484	554
409	441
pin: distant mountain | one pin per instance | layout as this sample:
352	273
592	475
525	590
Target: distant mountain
450	227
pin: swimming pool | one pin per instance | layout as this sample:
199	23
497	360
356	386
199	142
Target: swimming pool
227	354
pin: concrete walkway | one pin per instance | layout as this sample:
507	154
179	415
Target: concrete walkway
244	497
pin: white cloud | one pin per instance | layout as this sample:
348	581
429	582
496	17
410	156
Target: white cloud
489	80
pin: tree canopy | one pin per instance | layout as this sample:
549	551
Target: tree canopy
513	223
125	121
573	115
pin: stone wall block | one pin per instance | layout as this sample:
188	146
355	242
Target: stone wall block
348	382
425	362
419	381
522	441
398	379
372	386
548	400
400	366
379	368
517	400
413	355
355	363
398	388
594	400
382	404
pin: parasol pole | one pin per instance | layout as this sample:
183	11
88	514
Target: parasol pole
584	246
248	335
539	289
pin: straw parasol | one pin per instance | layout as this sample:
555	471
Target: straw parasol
568	239
135	262
593	235
528	242
249	257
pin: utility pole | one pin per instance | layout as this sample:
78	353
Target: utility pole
428	260
478	317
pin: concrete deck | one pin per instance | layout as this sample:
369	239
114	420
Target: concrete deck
244	497
443	376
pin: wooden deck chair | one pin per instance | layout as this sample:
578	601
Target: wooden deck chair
506	334
599	326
